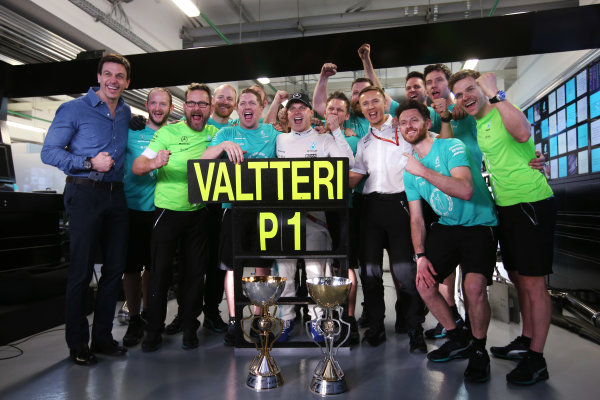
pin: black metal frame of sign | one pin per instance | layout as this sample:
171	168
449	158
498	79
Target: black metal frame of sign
280	192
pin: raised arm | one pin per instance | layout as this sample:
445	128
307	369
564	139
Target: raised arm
279	98
364	52
513	119
320	93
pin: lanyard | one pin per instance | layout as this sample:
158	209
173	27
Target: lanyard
396	141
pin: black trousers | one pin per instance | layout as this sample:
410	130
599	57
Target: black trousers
98	218
172	228
215	276
385	223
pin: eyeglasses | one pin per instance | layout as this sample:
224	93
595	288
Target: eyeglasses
201	104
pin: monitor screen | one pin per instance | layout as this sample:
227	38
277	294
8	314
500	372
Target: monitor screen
7	169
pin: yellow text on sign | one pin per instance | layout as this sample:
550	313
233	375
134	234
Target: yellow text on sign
265	234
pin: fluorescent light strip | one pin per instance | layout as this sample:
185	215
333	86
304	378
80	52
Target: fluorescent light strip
188	7
471	64
264	81
26	127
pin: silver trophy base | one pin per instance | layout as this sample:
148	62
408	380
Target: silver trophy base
259	382
325	388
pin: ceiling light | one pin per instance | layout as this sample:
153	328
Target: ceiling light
188	7
517	12
264	81
471	64
26	127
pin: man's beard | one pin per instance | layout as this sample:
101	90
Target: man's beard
218	112
188	121
356	108
161	122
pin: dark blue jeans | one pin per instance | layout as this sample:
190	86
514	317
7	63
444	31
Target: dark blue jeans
98	219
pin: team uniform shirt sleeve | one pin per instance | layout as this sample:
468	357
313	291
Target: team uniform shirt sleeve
359	164
341	148
457	154
221	136
436	122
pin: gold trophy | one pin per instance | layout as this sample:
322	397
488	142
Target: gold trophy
263	291
329	293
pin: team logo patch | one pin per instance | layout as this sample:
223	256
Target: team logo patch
441	203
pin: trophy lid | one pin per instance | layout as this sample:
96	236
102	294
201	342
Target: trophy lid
263	290
329	291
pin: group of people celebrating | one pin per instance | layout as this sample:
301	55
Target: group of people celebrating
417	192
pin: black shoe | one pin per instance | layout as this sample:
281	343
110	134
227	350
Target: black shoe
363	321
478	369
135	331
151	342
438	332
417	341
110	348
374	336
83	356
354	337
515	350
215	323
190	339
450	350
529	371
229	339
174	327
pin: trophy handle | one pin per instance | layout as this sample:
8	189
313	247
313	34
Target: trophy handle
251	318
340	311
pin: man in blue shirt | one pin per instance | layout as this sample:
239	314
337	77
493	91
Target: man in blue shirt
443	173
87	140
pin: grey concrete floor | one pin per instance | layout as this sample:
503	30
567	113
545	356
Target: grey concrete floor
214	371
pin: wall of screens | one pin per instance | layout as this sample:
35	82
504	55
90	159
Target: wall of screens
565	124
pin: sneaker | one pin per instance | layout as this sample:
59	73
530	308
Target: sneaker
135	331
478	369
515	350
529	371
438	332
229	339
317	336
152	342
123	314
450	350
174	327
215	323
190	339
286	333
417	341
374	336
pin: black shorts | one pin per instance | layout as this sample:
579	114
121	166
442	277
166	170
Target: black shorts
249	229
526	234
140	233
473	247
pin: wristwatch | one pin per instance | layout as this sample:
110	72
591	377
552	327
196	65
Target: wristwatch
87	164
447	119
500	96
418	255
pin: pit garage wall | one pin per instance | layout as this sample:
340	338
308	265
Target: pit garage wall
577	235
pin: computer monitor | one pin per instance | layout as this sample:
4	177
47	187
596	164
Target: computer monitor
7	168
